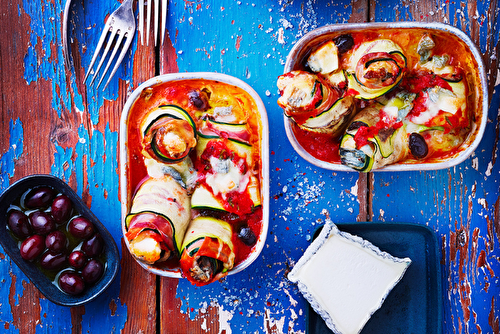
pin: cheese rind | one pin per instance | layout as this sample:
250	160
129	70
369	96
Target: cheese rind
345	278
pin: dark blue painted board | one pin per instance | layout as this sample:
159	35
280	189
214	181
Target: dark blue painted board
415	303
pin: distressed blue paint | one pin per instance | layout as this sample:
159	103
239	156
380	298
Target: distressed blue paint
297	199
203	46
251	49
104	173
54	319
39	62
15	150
81	161
97	157
63	163
92	15
461	197
103	189
8	269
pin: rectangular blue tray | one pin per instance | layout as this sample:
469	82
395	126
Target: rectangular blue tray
415	303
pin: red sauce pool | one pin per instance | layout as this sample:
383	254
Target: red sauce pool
322	146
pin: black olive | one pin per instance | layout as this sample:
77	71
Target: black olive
40	197
344	43
19	224
32	247
418	146
199	99
247	236
71	282
356	125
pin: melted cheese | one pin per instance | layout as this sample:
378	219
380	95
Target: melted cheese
325	59
147	249
297	90
441	99
227	177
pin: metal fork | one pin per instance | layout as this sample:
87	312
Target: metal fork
164	5
120	26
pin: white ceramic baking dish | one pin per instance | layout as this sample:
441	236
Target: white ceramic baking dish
302	48
125	189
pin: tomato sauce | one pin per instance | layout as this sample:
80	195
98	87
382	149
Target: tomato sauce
222	94
325	147
234	202
322	146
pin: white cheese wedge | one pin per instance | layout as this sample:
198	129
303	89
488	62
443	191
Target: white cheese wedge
345	278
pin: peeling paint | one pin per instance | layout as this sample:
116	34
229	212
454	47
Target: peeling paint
14	152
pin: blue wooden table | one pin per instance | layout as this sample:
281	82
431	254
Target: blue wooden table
55	124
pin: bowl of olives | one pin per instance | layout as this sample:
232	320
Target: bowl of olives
54	238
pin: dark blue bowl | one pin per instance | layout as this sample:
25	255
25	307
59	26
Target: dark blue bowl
42	282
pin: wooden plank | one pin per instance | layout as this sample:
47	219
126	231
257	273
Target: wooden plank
461	203
251	41
52	124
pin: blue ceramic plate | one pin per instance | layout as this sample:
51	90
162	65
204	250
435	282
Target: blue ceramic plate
42	282
415	303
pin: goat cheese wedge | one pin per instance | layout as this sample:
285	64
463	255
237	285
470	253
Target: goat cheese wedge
346	278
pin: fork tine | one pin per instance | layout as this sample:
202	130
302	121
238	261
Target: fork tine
163	19
120	26
125	47
97	49
141	20
157	17
148	22
115	49
103	57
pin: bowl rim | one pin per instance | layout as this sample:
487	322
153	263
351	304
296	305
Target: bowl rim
264	147
41	282
398	167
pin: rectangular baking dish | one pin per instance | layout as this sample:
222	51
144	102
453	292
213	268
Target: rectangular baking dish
126	191
302	48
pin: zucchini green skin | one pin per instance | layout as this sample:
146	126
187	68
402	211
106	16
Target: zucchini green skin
209	238
203	198
169	110
211	227
386	46
235	131
203	195
243	149
382	148
333	120
164	197
229	127
356	159
166	111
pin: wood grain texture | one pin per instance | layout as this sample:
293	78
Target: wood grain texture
52	122
458	203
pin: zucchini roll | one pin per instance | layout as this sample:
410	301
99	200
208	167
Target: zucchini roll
314	102
158	218
374	139
439	121
168	134
376	67
207	250
226	180
235	131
